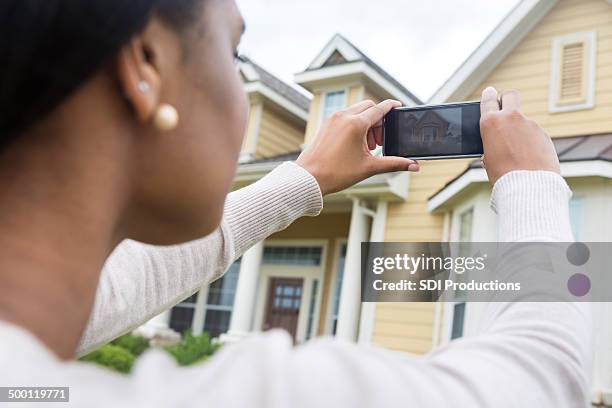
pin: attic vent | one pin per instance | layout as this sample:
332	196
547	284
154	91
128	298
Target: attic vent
335	59
573	72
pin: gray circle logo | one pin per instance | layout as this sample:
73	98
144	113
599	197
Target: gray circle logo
578	254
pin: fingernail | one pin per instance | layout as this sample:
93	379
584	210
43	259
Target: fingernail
413	167
490	89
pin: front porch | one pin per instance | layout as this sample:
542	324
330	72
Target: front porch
305	279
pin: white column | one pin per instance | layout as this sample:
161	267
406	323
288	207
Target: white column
246	293
199	314
161	321
350	294
158	329
368	309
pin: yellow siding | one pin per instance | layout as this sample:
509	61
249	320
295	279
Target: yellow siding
277	135
250	139
314	117
529	65
404	326
368	94
330	227
410	221
408	327
355	94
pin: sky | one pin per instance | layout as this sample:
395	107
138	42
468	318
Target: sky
420	42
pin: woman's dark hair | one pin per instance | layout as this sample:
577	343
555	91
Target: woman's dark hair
48	48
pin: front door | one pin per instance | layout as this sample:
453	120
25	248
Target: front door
283	306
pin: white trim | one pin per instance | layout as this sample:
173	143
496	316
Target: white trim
329	313
307	273
446	226
280	100
252	140
337	43
457	186
590	40
248	71
361	68
587	168
583	168
245	157
504	38
437	329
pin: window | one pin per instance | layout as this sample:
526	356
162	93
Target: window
338	288
303	256
181	316
466	221
576	214
572	84
334	101
312	308
458	320
220	302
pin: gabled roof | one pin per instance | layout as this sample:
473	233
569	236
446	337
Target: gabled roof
258	79
339	55
504	38
575	149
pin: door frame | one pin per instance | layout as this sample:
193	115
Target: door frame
307	273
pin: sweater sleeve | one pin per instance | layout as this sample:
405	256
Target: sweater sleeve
140	281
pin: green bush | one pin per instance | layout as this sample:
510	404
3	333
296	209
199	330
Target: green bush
112	356
132	343
122	352
192	349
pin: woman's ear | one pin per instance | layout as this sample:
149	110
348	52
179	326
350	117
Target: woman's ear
139	78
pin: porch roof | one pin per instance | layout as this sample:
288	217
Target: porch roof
392	187
580	156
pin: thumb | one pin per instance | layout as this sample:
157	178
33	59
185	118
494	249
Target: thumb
388	164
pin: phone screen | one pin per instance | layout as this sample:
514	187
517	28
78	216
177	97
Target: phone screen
434	132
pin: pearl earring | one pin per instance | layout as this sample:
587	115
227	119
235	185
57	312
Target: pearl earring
166	118
144	87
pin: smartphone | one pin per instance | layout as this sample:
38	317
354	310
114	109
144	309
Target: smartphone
433	132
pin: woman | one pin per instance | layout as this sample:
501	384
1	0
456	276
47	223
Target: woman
122	122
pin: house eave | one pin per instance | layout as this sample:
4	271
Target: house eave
258	88
392	187
359	69
444	199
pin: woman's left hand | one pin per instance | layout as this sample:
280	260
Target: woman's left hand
340	156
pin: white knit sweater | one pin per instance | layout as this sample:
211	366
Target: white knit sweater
532	355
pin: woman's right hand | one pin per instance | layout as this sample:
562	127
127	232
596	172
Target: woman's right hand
512	141
340	155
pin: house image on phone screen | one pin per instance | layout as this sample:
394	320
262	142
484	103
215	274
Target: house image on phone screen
431	129
306	279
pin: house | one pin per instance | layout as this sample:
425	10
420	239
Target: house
557	53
